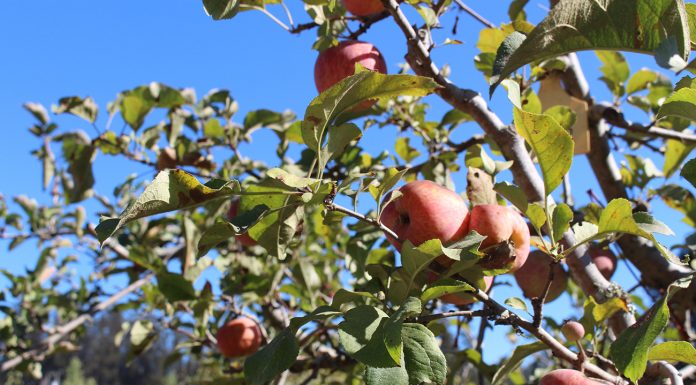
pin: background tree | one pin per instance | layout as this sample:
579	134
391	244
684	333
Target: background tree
303	253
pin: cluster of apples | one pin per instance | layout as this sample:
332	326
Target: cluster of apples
426	210
338	62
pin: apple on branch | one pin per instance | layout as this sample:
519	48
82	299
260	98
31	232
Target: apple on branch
338	62
425	211
363	8
239	337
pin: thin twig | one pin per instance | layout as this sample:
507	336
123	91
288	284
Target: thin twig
265	11
424	319
474	14
372	221
538	302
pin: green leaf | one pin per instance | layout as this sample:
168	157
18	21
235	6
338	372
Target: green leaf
512	363
681	103
175	287
630	350
681	351
339	138
688	172
675	154
563	115
221	9
84	108
392	329
404	150
222	231
615	70
512	193
536	214
272	359
610	25
507	48
562	215
640	80
323	111
415	260
516	303
362	335
78	151
171	190
424	362
552	145
134	108
618	217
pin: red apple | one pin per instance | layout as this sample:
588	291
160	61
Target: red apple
573	331
566	377
239	337
605	260
533	276
244	239
363	7
426	211
337	63
500	224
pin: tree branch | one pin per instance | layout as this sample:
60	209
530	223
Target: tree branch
616	118
65	329
511	144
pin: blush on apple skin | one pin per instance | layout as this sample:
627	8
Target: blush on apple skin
244	239
239	337
500	224
426	211
337	63
605	260
363	8
533	276
566	377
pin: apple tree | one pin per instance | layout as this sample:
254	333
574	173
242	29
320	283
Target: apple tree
344	265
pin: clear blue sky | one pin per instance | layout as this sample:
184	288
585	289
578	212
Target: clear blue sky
56	48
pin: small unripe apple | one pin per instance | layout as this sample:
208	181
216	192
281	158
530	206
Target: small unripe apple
337	63
363	7
426	211
573	331
239	337
461	298
605	260
533	276
566	377
244	239
500	224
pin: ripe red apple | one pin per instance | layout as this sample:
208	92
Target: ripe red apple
500	224
605	260
244	239
533	276
426	211
462	298
566	377
239	337
363	7
573	331
337	63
